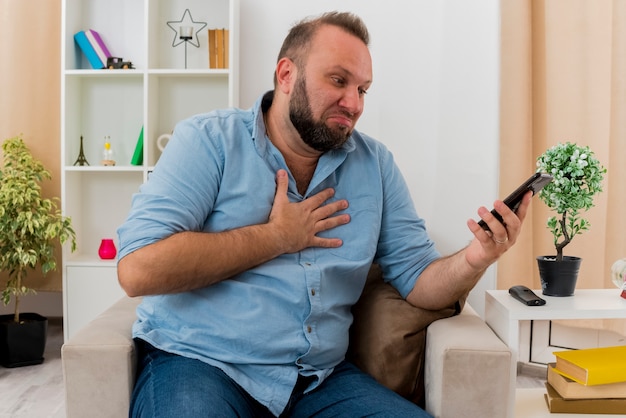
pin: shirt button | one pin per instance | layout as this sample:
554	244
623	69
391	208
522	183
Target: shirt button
309	329
312	292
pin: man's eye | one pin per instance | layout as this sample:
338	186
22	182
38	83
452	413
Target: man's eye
338	80
362	92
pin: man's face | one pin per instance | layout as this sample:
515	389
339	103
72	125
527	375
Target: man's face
328	94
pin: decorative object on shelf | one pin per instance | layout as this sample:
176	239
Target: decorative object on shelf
162	141
117	63
107	250
81	160
107	153
186	31
138	153
578	176
618	275
30	227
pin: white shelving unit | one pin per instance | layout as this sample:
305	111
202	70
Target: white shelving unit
155	95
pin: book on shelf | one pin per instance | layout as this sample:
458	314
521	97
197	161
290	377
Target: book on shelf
212	56
593	366
138	154
98	45
226	48
218	48
570	389
556	403
83	42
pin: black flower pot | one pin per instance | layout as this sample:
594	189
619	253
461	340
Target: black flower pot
23	343
558	278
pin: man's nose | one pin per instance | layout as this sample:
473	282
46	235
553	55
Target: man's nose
352	101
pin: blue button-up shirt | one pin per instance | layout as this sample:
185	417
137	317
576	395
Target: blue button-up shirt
290	315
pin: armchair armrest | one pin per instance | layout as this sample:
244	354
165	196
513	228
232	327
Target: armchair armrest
467	372
468	369
99	364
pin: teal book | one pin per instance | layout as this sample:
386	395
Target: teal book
90	53
138	154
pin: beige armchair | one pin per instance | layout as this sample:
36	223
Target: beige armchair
466	368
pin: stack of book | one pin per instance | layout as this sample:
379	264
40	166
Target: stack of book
218	48
589	381
93	47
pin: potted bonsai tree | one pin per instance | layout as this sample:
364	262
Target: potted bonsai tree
578	178
29	228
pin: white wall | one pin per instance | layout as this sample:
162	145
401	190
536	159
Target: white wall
434	100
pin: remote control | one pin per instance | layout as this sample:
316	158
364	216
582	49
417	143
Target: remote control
526	296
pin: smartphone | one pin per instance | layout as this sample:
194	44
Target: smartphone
535	183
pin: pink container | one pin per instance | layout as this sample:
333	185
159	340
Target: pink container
107	250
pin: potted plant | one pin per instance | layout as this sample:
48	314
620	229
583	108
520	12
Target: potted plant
578	178
29	228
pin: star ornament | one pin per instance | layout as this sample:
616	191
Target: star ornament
186	21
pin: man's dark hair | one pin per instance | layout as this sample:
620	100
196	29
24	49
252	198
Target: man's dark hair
296	44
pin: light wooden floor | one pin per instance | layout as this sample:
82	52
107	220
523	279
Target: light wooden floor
531	376
38	391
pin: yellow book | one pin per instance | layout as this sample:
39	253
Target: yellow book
593	366
226	48
219	41
212	49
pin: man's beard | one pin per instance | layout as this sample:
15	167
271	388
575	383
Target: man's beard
314	133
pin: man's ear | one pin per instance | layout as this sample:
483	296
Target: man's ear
286	73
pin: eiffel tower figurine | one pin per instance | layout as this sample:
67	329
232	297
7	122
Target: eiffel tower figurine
81	160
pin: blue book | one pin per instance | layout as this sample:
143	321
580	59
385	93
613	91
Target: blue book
90	53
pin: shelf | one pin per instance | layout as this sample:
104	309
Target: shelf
200	72
105	169
119	104
104	73
89	260
190	72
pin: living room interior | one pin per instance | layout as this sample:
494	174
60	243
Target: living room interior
465	94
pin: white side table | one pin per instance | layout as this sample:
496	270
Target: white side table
503	313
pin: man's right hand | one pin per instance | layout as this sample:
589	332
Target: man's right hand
298	224
190	260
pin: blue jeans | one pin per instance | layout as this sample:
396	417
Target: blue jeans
169	385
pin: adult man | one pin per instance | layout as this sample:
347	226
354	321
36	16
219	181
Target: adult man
255	233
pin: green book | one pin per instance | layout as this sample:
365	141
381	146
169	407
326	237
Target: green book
138	154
